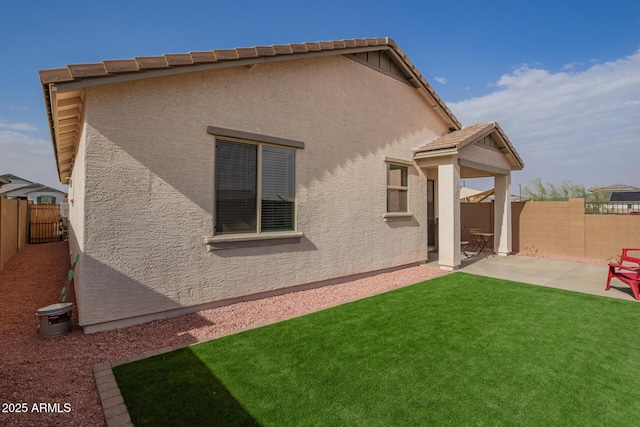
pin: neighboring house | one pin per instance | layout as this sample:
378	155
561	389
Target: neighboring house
20	188
203	178
617	198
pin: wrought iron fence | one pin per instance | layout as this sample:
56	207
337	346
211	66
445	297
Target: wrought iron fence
612	208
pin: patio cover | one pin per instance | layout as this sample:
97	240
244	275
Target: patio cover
479	150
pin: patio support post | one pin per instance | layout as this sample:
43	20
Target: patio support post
502	237
449	215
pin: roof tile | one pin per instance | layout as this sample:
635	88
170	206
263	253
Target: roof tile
282	49
339	44
313	47
266	50
326	45
299	47
148	62
349	43
55	75
201	57
120	65
360	42
175	59
224	54
247	52
80	71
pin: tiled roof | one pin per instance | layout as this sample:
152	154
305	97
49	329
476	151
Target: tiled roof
32	188
69	108
140	64
12	177
12	187
459	139
614	187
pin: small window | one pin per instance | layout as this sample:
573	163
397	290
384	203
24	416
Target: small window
46	200
397	188
255	188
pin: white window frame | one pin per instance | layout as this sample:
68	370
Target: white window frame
404	215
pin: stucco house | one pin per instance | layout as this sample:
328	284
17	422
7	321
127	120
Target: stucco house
203	178
14	187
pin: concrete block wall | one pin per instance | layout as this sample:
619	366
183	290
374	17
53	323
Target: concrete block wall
605	235
559	228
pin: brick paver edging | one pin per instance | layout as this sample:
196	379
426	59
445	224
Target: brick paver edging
115	411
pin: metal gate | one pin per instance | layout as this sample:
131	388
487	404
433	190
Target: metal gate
45	223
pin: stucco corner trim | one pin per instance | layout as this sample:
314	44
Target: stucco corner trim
397	216
216	243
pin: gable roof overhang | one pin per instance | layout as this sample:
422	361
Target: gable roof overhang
64	88
454	144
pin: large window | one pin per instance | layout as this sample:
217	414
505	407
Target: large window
255	188
397	188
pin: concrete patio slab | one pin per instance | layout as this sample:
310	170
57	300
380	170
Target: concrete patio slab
570	276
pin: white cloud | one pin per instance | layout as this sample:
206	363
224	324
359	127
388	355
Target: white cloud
27	157
25	127
572	65
441	80
568	125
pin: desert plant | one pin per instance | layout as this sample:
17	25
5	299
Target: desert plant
537	190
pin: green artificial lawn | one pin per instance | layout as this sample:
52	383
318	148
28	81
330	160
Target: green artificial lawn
457	350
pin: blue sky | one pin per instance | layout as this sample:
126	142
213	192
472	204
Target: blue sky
561	77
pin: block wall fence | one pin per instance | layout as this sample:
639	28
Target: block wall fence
13	227
559	228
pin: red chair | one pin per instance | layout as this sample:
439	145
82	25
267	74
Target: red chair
627	271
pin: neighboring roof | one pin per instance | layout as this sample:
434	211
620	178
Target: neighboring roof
25	187
477	196
3	181
12	187
614	187
466	192
66	110
12	177
625	196
461	138
28	188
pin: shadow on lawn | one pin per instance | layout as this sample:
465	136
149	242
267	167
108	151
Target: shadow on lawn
177	389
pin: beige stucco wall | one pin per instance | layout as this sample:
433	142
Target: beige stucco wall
485	156
145	182
76	222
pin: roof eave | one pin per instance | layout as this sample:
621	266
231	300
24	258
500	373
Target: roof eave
80	76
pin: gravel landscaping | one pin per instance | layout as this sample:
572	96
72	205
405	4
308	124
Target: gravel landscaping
57	372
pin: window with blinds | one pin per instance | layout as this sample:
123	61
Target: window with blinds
397	188
255	188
